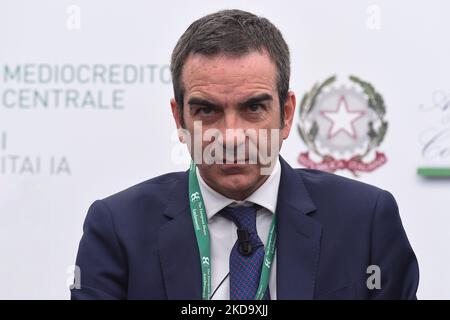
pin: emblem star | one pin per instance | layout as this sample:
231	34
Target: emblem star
342	119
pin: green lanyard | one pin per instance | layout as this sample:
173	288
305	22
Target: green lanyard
200	221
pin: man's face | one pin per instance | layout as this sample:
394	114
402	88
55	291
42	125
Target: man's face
233	93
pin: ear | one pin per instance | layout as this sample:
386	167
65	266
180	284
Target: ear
176	117
289	111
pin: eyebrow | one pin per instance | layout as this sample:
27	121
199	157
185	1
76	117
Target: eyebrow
256	99
201	102
250	101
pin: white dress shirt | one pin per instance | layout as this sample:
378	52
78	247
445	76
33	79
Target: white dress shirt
223	231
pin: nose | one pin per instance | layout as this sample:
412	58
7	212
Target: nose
233	134
231	119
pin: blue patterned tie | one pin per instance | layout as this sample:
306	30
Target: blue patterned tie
245	271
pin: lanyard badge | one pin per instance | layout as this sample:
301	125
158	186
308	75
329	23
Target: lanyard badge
200	221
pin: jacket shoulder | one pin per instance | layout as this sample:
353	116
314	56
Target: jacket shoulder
150	194
326	180
343	196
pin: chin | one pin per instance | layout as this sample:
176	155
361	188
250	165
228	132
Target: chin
232	179
235	183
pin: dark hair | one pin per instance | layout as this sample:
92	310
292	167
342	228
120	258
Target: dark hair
235	33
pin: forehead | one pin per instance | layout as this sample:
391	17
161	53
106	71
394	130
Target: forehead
221	75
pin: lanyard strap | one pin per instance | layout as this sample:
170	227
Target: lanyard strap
200	222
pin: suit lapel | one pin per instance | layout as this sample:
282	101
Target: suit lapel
178	250
298	238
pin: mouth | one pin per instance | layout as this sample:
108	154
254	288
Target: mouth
235	162
238	166
232	168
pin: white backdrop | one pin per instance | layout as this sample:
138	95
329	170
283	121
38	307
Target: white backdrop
57	159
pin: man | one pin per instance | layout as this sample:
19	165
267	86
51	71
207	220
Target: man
225	229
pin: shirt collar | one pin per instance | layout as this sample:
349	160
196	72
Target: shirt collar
266	195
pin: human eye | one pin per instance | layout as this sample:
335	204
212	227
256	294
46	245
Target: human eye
204	111
255	108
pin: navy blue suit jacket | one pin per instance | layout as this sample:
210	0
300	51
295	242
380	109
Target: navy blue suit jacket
140	243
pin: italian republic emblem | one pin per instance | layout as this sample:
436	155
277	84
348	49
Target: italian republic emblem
342	127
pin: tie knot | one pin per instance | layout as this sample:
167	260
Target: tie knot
243	216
